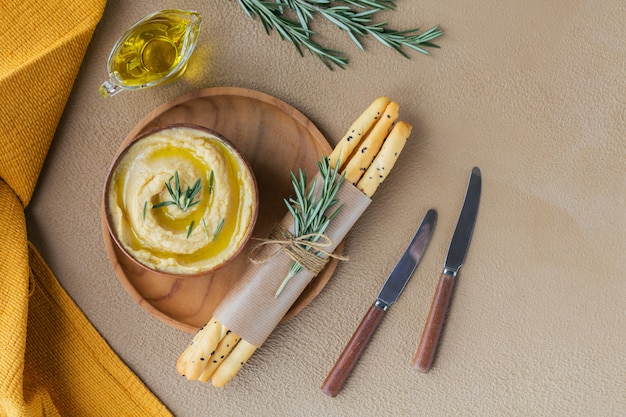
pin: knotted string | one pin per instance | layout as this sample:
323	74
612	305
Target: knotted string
306	250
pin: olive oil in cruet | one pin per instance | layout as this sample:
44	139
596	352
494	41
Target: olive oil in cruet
153	51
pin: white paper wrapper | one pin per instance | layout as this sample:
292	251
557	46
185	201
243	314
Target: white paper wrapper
250	309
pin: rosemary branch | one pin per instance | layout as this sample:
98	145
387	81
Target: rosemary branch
355	17
270	15
179	198
310	213
187	199
182	199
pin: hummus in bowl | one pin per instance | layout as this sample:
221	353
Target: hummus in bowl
181	200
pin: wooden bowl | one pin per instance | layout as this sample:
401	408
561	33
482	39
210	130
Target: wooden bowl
202	265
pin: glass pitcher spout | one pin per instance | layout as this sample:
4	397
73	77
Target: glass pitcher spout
154	51
108	89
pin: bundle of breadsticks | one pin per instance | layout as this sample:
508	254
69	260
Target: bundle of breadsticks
250	311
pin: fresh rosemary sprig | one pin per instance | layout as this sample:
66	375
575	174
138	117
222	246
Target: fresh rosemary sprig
183	199
206	230
271	16
217	231
211	181
308	211
190	229
355	17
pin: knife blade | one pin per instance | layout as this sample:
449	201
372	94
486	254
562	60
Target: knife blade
457	251
389	293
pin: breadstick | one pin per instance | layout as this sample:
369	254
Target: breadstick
183	359
386	158
193	360
226	345
369	147
233	363
357	132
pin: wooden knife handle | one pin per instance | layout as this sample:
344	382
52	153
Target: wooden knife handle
353	350
434	324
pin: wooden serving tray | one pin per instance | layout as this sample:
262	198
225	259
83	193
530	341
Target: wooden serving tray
276	139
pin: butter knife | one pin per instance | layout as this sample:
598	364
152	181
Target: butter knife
459	245
388	294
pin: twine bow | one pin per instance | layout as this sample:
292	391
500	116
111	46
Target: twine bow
309	251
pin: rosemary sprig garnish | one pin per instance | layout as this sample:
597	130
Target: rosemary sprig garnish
183	199
211	181
206	230
355	17
220	226
218	230
190	229
309	212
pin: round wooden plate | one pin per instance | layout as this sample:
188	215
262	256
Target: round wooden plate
277	140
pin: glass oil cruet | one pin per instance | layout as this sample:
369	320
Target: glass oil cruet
155	50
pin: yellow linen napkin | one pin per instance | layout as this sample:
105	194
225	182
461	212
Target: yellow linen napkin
53	361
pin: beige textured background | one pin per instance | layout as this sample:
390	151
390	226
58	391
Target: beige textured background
533	92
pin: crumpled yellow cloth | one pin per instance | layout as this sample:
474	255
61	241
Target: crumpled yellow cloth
53	362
